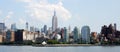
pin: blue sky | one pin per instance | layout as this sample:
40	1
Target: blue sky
94	13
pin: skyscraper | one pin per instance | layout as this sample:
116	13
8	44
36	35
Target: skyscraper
76	35
13	27
66	35
45	29
85	32
54	22
8	35
27	26
115	26
2	27
32	29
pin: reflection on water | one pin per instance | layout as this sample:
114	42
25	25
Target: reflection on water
60	49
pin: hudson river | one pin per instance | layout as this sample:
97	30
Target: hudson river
60	49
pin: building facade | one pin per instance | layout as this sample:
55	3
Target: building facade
2	28
10	36
66	35
13	27
76	34
54	22
2	32
19	36
45	29
85	32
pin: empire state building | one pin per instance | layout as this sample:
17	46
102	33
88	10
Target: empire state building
54	22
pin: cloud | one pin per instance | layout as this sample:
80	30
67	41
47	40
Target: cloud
7	17
42	10
22	21
10	13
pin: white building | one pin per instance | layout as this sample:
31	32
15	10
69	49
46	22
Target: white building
30	35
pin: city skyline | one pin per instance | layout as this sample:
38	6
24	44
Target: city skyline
92	13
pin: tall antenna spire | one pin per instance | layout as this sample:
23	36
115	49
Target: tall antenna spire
27	26
54	12
54	22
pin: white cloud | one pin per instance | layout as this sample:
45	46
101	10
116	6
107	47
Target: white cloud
10	13
7	17
22	21
42	10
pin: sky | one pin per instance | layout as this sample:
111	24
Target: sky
94	13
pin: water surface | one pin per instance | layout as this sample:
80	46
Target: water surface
60	49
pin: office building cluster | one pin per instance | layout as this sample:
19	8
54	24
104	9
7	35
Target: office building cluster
83	36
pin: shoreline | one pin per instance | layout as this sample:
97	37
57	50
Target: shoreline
59	45
62	45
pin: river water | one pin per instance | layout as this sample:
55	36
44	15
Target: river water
60	49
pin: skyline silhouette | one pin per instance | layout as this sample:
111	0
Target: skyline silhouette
38	13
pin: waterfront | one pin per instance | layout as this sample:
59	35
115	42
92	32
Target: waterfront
60	49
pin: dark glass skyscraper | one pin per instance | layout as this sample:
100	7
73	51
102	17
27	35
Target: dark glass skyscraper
54	22
85	32
45	29
2	27
76	35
